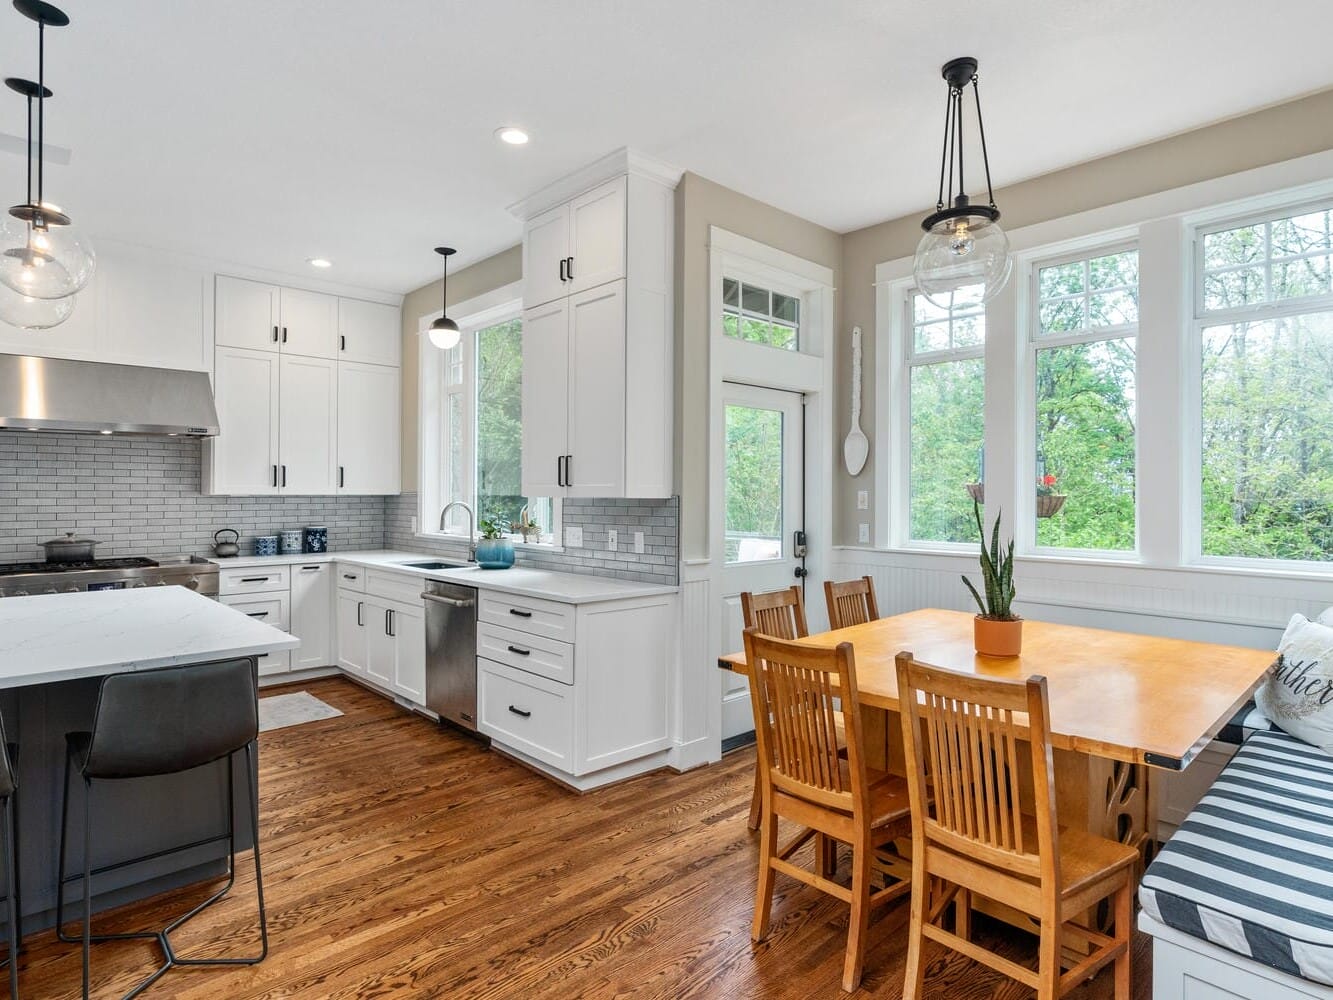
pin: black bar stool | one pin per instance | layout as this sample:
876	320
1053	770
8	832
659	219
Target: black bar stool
9	753
159	722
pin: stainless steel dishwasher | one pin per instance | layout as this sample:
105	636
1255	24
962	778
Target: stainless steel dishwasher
451	652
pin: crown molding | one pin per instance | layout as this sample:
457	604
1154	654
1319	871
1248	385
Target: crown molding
622	161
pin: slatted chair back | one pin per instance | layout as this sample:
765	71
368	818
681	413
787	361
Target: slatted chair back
778	613
967	734
793	687
851	602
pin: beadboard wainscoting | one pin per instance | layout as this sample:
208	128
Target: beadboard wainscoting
659	520
140	496
1205	605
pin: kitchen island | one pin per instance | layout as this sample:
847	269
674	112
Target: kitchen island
54	649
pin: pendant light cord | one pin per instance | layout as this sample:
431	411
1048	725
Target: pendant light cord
945	159
958	122
981	129
444	291
41	107
30	149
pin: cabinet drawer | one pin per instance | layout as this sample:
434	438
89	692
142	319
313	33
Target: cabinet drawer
351	578
528	614
271	609
528	713
533	653
254	580
395	586
275	663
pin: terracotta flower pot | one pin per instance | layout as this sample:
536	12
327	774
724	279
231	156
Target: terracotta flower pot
993	637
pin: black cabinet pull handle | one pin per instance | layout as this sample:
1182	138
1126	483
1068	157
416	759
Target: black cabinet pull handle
520	614
393	623
563	261
342	343
560	470
569	470
359	606
569	269
284	475
386	622
256	614
275	477
340	477
254	579
519	712
351	576
284	335
275	335
520	652
309	569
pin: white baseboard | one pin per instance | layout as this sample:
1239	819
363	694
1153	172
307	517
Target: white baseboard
695	753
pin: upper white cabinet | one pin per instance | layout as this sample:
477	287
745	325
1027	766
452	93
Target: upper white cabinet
598	355
575	246
264	317
369	425
307	425
244	457
369	332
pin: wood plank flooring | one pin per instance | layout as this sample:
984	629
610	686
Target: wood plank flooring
401	859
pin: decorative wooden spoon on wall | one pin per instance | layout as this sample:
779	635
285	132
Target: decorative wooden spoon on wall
856	447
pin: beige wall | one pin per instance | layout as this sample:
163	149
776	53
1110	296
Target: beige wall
1280	133
481	277
700	204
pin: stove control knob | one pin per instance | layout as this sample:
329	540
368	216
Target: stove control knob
72	589
193	584
51	590
20	593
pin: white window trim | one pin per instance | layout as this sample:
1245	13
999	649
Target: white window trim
475	314
1025	528
1168	388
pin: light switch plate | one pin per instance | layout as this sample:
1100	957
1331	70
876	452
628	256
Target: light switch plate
612	536
573	538
863	533
862	499
638	542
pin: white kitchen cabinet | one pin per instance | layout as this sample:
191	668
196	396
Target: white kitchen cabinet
353	633
409	653
381	649
246	314
609	243
308	322
369	429
271	608
370	333
311	614
308	426
244	457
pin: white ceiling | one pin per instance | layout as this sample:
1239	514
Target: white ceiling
265	132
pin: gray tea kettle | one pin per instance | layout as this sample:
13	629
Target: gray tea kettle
223	549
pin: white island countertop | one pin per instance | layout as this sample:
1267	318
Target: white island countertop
60	637
567	588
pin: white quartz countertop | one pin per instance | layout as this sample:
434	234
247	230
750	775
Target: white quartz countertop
568	588
59	637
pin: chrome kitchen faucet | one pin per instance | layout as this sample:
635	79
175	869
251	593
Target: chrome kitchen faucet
471	526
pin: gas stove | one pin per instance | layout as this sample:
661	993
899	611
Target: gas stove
23	579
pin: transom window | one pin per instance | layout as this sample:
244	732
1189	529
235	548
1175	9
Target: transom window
1265	333
946	398
1084	330
760	315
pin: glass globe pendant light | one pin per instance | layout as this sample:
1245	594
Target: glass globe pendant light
444	332
29	313
964	255
42	254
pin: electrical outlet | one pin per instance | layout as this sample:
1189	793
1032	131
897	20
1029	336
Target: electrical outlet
414	524
863	533
611	538
862	499
638	542
573	538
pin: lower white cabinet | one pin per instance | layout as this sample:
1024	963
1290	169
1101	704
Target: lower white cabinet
296	598
352	636
312	614
383	639
271	608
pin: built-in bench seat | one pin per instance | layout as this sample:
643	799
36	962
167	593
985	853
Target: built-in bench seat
1244	724
1240	899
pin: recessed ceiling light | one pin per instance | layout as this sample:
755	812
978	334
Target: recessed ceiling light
319	262
512	135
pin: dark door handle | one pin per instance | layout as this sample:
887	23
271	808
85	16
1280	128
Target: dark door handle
340	477
284	475
519	651
386	622
393	623
519	712
801	572
256	614
520	614
275	335
359	606
562	269
569	470
351	576
254	579
275	477
569	268
342	343
284	335
560	470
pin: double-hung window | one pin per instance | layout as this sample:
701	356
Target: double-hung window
1083	333
482	431
1264	322
945	377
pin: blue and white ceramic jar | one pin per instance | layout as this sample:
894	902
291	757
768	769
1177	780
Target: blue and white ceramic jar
290	542
317	539
266	545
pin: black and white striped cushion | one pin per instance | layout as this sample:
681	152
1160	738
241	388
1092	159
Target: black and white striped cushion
1251	868
1245	723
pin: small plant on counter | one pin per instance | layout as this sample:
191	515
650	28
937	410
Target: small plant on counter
489	529
494	551
998	629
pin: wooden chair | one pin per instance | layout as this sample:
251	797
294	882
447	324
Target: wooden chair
980	840
806	780
851	603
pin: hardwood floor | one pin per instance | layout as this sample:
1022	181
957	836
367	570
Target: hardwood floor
401	859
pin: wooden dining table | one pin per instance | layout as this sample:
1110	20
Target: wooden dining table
1122	706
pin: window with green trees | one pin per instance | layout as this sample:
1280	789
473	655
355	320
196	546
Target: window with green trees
760	315
1084	329
484	430
1264	303
946	390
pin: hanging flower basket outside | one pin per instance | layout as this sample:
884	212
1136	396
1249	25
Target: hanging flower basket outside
1049	505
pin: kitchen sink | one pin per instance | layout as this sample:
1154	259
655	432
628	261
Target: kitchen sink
436	564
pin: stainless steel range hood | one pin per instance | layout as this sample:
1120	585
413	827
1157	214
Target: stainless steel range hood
51	394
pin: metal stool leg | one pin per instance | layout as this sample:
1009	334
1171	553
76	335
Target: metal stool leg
11	884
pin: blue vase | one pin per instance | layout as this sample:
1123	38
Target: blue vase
495	553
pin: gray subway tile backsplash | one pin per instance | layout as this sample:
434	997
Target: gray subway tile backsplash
140	496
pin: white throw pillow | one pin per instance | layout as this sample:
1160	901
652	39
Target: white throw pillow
1326	617
1298	694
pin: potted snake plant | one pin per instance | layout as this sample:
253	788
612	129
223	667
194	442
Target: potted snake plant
997	631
